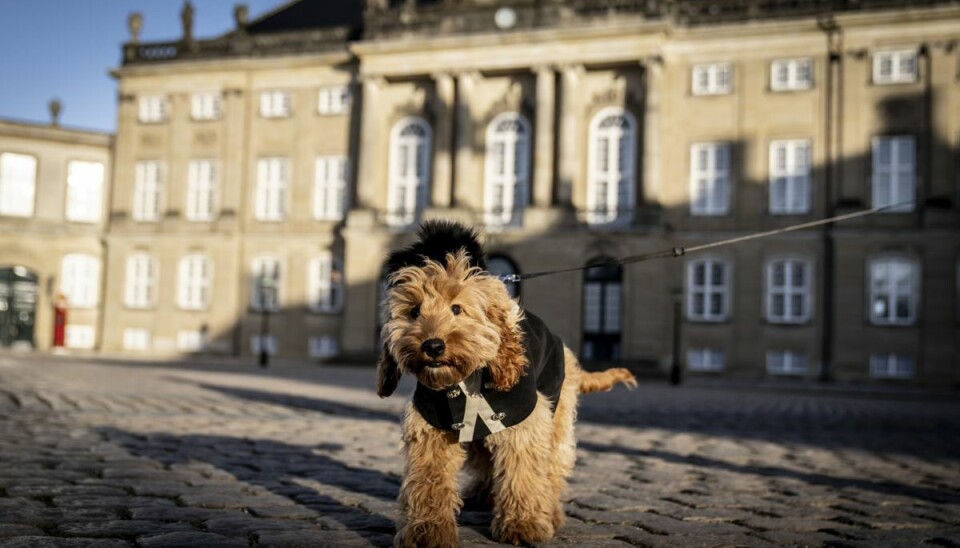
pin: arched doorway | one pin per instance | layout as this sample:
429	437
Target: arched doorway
18	306
601	311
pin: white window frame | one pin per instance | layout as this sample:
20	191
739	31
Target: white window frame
897	60
81	337
148	191
276	103
323	346
901	177
710	186
194	282
18	184
706	360
202	190
712	79
611	182
787	362
789	185
205	105
272	191
279	271
330	187
880	272
334	100
325	284
789	290
153	109
506	170
141	281
892	366
794	69
80	280
411	187
708	289
85	191
136	338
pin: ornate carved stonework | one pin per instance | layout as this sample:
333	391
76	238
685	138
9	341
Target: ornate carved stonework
205	138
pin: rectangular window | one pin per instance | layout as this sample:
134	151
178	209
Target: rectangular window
789	177
190	341
18	184
334	100
266	279
141	281
194	283
894	291
323	347
894	173
79	336
201	190
205	106
271	194
895	67
791	74
891	366
712	79
79	280
275	104
325	288
330	187
786	362
152	109
709	179
708	290
788	291
84	191
136	339
705	359
269	343
148	192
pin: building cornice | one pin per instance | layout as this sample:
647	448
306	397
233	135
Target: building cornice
33	130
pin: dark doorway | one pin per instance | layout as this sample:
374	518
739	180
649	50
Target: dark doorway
18	306
601	311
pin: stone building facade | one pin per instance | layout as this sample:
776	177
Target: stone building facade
276	165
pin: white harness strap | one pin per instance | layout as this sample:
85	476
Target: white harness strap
477	406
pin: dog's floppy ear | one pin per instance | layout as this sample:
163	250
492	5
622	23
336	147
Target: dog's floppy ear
388	373
511	362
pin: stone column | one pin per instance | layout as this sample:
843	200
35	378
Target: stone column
570	156
464	139
442	179
545	125
370	157
650	182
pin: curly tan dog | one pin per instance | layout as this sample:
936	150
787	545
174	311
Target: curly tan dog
496	394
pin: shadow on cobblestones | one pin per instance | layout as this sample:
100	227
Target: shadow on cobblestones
355	498
881	487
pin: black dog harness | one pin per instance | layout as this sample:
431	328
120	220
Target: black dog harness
476	410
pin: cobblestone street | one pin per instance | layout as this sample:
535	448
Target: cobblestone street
117	454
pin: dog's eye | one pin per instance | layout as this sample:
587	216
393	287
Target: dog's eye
415	312
456	309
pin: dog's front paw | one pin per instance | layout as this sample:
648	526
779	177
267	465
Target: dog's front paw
522	533
427	535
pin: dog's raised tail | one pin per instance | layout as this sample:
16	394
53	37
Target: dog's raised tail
603	381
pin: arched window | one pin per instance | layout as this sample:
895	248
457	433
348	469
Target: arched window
325	286
499	265
195	280
141	283
610	186
507	169
409	171
601	311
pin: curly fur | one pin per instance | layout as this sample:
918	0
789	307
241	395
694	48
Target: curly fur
523	469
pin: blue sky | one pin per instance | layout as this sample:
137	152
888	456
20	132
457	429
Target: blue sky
66	48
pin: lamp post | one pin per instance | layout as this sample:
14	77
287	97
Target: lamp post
267	289
676	373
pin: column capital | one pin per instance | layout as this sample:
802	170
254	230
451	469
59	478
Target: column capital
544	67
652	59
442	75
377	80
571	69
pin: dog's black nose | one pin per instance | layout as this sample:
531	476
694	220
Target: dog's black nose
433	347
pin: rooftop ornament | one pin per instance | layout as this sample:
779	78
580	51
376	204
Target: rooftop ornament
135	25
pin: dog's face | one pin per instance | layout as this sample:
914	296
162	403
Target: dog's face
445	322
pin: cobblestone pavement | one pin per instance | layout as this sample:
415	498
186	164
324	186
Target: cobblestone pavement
114	454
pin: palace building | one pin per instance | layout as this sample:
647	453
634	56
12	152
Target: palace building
264	175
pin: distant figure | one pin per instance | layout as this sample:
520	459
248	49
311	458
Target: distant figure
240	15
186	17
